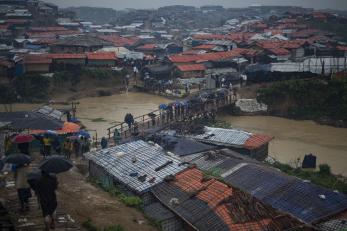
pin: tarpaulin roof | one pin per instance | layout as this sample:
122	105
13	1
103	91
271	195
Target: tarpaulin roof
69	127
128	163
232	137
208	204
31	120
303	200
181	146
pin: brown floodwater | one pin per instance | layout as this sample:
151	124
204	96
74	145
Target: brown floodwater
294	139
100	113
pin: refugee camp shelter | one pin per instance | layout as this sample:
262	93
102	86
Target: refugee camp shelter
250	144
79	44
134	167
307	202
208	204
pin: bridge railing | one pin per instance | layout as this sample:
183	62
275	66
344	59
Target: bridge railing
162	118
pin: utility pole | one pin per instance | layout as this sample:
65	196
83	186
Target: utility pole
74	108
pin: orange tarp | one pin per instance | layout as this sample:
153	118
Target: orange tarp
69	127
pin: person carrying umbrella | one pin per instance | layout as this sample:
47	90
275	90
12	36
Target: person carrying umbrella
21	162
47	184
45	188
22	186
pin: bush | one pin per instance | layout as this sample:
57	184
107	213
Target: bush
324	170
88	225
131	201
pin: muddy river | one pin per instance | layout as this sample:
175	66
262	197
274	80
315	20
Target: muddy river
293	139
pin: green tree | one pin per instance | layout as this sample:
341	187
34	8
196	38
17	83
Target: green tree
8	96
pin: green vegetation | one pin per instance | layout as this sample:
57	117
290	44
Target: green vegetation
98	75
90	226
307	99
114	228
218	124
323	177
130	201
98	120
28	88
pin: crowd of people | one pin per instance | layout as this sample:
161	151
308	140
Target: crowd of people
67	146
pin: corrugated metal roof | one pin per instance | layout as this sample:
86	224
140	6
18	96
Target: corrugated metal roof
213	205
49	111
158	212
4	124
118	162
221	136
313	65
283	192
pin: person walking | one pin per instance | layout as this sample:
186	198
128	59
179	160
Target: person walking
47	146
129	120
67	150
116	136
22	186
103	143
45	189
76	147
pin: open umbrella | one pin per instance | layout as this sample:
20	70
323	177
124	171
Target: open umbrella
17	159
19	139
83	133
55	164
162	106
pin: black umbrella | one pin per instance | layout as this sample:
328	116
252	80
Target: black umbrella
18	159
55	164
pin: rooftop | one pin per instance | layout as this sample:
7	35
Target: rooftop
303	200
101	56
138	164
82	41
191	67
233	138
208	204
